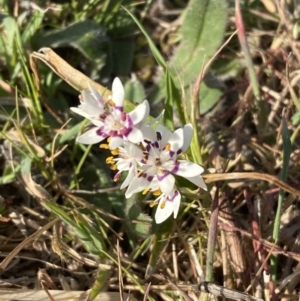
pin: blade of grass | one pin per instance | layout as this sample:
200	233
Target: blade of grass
287	148
249	63
172	93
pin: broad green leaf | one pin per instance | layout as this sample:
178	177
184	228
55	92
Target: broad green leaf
141	227
201	33
169	87
134	90
7	40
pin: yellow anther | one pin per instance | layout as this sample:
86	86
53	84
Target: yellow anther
114	167
145	191
115	152
154	203
163	204
104	145
110	160
157	192
168	147
111	103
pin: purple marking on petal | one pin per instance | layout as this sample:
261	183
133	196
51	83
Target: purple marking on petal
155	144
176	167
113	133
130	164
144	175
171	199
99	131
125	131
150	178
160	177
172	153
179	152
123	116
148	147
119	108
129	121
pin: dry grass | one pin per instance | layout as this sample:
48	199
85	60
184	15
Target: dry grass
50	208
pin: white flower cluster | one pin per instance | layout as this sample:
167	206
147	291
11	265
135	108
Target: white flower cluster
149	157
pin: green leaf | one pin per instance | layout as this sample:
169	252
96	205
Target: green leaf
287	148
134	90
7	40
171	90
208	97
158	57
56	209
86	36
141	228
202	33
32	26
100	281
160	240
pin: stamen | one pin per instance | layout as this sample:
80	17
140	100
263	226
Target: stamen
142	147
140	173
157	192
111	103
115	152
168	147
114	167
104	145
117	177
163	204
154	203
145	191
110	160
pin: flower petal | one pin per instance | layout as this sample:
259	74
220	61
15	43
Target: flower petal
140	113
163	212
90	137
148	133
115	142
176	203
138	184
187	136
198	181
80	112
131	174
96	95
165	134
135	136
186	169
166	182
176	140
118	93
